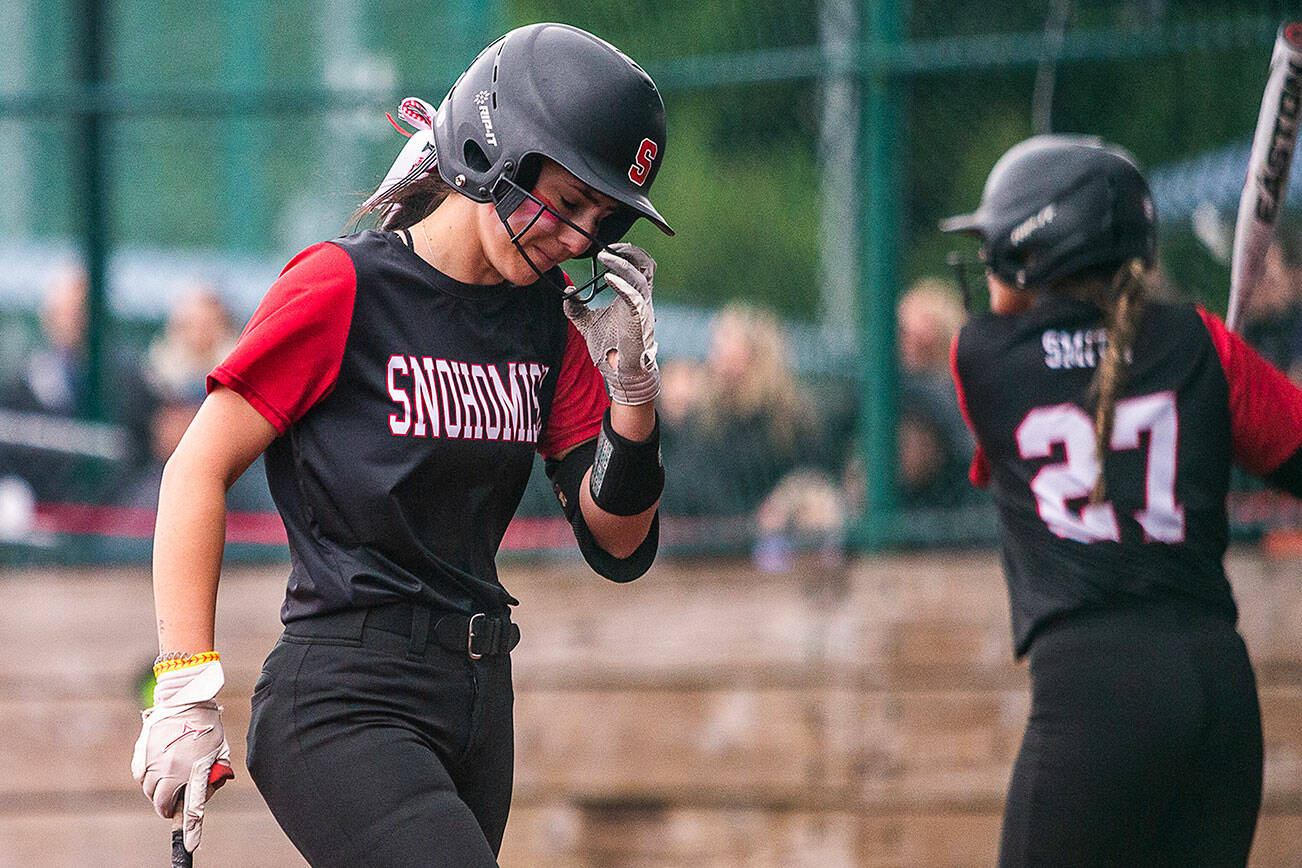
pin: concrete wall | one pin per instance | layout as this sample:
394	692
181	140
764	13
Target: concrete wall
706	715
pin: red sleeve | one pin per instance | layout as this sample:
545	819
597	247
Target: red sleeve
288	357
580	399
1265	407
979	472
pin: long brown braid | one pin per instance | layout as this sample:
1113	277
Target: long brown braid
1122	300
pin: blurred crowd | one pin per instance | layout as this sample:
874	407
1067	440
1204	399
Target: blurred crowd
752	441
54	447
746	438
1272	319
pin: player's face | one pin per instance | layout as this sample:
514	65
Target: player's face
550	240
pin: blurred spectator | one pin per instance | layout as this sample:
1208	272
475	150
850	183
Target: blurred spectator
53	379
934	449
934	443
737	424
169	415
807	510
741	438
46	454
682	391
198	335
927	318
1272	319
172	384
748	379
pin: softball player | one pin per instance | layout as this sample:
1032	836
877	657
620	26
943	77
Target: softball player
399	381
1106	426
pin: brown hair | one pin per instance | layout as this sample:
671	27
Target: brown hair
1121	297
406	203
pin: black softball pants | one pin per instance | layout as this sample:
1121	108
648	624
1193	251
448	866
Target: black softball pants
1143	746
381	748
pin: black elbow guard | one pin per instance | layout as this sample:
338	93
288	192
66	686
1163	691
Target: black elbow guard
566	476
627	476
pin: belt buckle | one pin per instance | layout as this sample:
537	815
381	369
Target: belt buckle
470	636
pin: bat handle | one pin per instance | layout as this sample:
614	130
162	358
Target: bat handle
181	857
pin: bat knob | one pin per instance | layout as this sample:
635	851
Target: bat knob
219	774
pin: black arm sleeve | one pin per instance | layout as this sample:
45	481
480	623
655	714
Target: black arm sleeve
1288	475
566	476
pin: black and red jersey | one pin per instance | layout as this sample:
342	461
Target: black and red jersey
410	406
1196	399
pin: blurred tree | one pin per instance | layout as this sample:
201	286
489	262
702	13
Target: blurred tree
746	214
741	180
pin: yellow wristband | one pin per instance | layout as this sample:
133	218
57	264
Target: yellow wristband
175	663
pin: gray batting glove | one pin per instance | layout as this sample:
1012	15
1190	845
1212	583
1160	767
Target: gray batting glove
627	325
182	745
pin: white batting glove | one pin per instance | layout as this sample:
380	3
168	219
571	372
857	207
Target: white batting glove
182	745
627	325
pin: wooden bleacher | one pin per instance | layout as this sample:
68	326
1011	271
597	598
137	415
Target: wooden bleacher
706	715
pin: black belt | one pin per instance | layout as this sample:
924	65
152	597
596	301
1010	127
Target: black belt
478	635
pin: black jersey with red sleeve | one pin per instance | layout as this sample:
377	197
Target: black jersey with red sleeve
1195	400
409	406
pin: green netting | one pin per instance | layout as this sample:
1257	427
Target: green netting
234	137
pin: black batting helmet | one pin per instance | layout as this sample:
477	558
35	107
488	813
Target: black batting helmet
1056	205
554	91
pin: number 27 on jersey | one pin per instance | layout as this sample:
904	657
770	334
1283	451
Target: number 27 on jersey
1162	519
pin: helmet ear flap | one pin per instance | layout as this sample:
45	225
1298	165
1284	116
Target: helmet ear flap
511	191
530	169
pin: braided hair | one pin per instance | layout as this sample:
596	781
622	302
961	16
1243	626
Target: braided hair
1121	296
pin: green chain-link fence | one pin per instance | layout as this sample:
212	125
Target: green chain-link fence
812	148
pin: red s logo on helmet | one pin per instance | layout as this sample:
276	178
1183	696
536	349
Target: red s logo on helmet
646	152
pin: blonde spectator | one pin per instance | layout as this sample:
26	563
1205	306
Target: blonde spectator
750	377
933	441
737	424
198	335
928	316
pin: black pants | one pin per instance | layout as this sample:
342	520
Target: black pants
371	751
1143	746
